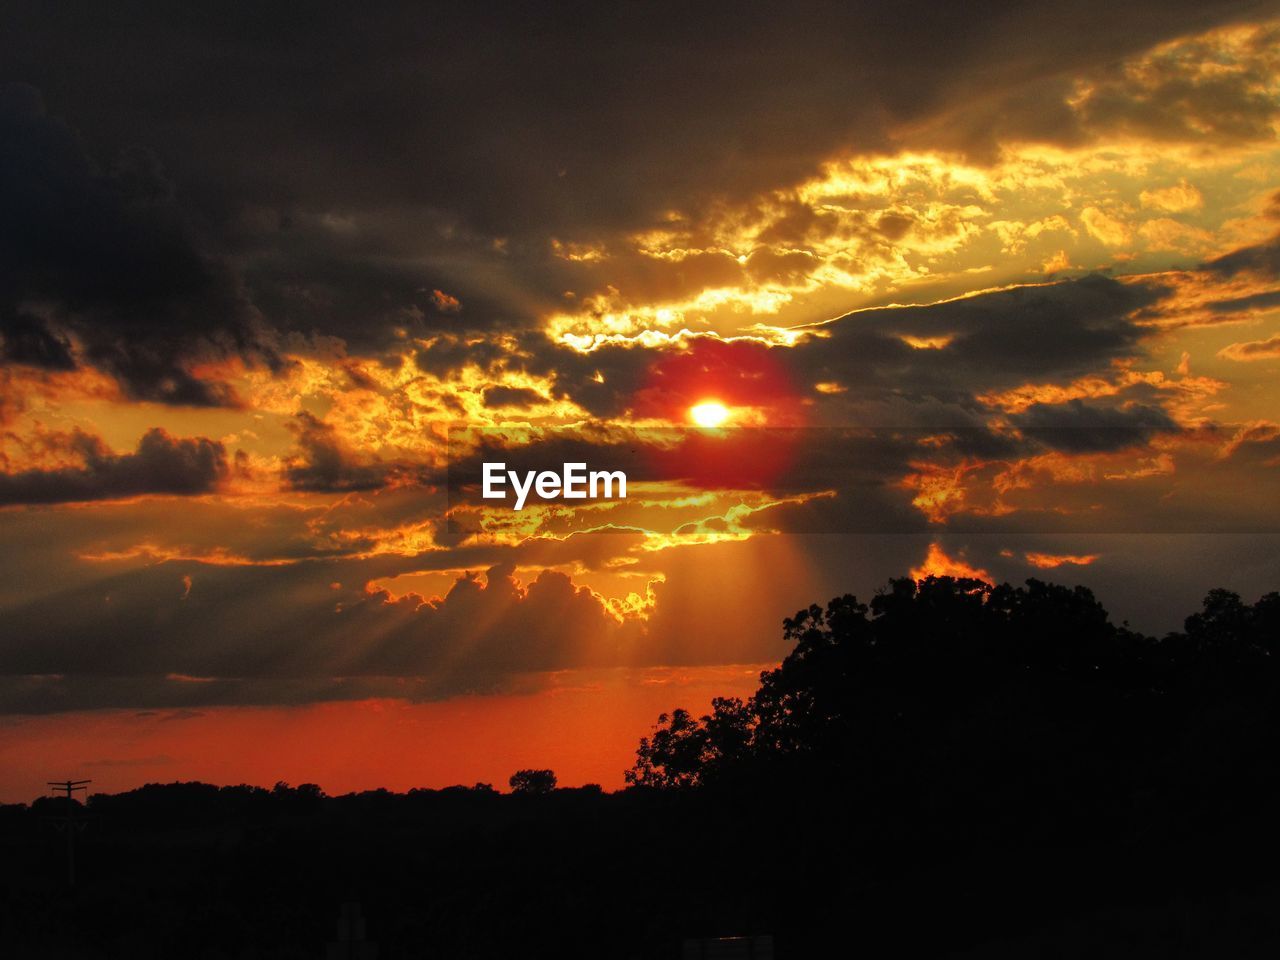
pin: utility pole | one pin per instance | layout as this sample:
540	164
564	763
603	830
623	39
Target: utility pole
70	823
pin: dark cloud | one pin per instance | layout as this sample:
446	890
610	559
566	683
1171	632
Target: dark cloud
1262	259
353	162
161	465
110	260
285	635
325	464
316	643
1166	101
24	339
1080	427
1255	301
506	117
1165	96
512	397
993	341
118	634
996	339
311	279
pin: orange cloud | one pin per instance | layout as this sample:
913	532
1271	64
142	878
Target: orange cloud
938	564
1178	198
1268	349
927	343
942	490
156	553
1056	262
1258	431
1110	230
444	302
1095	386
1047	561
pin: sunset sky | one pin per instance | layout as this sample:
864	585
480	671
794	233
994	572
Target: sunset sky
983	289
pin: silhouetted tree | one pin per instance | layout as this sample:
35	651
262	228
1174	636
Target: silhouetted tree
532	781
958	685
682	750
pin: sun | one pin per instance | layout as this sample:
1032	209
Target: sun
709	413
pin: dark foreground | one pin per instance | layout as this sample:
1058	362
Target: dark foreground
956	770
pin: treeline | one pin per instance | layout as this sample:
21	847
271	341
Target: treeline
950	767
202	804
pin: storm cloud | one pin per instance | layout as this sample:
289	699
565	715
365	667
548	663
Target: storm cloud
161	465
350	166
1079	427
109	259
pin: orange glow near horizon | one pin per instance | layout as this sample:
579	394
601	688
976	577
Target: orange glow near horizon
348	746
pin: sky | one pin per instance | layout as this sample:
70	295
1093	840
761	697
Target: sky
985	290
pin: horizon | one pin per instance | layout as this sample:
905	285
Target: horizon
360	727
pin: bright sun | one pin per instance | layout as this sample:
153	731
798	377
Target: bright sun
709	413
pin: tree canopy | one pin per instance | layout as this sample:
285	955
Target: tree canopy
532	781
946	684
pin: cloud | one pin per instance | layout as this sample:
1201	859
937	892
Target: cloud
740	109
323	463
1168	95
233	243
1048	561
992	340
444	302
1262	259
1164	233
113	265
24	339
1055	329
1081	427
482	633
512	397
937	563
1177	198
1106	227
494	152
1254	301
161	465
1268	349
